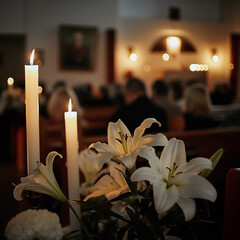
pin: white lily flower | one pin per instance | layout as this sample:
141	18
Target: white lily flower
41	181
90	168
174	180
88	165
111	185
124	147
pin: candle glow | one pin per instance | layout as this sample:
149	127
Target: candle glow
32	57
10	81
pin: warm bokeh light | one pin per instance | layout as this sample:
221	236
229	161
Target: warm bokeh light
198	67
133	57
205	67
201	67
40	89
193	67
32	57
215	58
173	44
231	66
10	81
165	57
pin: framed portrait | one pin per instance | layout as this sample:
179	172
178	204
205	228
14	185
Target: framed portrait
77	48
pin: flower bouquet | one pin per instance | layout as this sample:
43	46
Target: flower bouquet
131	191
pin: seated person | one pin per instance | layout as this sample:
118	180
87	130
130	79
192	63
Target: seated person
58	104
160	96
138	107
198	108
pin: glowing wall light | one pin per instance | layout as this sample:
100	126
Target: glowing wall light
165	57
132	55
215	56
173	45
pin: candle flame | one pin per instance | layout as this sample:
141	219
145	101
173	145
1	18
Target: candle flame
70	105
32	57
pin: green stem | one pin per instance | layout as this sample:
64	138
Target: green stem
80	220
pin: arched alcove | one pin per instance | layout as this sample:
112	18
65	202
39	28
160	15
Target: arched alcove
161	45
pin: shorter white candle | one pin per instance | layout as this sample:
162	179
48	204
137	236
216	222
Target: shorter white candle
71	132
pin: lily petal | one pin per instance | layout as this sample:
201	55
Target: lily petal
195	186
113	194
114	130
96	193
196	165
158	139
143	173
139	131
188	207
101	147
104	157
174	152
164	198
41	181
129	160
149	154
118	177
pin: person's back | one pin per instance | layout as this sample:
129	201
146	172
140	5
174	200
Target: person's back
58	104
198	108
160	96
138	107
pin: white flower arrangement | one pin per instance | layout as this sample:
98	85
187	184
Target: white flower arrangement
146	195
34	224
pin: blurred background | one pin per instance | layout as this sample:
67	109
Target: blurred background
90	50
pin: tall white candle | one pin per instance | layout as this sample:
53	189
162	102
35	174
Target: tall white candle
71	132
32	115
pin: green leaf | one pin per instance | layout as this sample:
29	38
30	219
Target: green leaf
122	196
129	182
215	158
93	205
131	214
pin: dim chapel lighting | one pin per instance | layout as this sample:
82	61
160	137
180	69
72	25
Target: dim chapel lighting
173	44
10	81
198	67
193	67
205	67
165	57
215	58
132	55
201	67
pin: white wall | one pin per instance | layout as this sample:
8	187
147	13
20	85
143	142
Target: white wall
158	9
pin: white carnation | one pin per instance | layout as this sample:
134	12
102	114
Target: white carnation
34	224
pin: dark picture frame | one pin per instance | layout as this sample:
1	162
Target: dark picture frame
77	48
